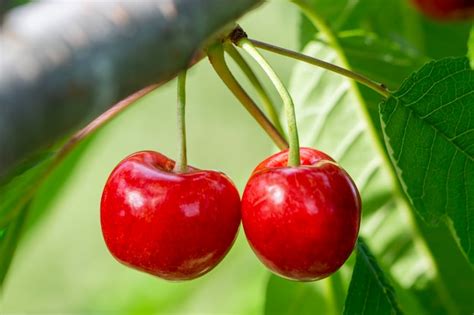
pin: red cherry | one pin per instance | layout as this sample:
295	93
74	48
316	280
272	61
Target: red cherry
177	226
447	9
302	222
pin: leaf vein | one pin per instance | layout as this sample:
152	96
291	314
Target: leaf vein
404	136
432	86
447	181
468	224
447	104
379	281
427	169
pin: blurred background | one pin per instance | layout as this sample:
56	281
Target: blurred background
62	265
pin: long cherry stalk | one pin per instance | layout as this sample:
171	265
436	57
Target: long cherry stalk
294	153
182	160
216	57
265	98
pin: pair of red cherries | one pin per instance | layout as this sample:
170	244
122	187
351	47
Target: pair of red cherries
302	222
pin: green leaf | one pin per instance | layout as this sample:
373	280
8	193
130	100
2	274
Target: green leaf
400	242
27	198
470	46
9	238
369	291
15	200
52	185
17	191
383	52
414	32
429	130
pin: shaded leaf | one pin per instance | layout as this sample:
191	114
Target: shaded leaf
470	46
414	32
17	191
22	190
369	291
9	239
454	270
429	130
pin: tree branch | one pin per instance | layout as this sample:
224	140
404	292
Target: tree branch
64	63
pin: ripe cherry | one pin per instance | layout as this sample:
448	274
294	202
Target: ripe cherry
447	9
302	222
177	226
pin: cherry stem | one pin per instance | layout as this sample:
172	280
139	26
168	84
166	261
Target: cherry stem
294	153
182	161
377	87
215	54
259	88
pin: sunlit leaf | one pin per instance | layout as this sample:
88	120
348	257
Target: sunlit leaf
429	128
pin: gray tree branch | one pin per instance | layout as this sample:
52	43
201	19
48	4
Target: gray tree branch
62	63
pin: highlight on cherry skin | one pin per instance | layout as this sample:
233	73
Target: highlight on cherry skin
177	226
302	222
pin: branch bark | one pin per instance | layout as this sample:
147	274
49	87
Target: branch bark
64	63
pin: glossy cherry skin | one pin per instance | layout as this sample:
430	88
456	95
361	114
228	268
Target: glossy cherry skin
447	9
302	222
177	226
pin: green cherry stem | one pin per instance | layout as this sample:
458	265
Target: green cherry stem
181	161
259	88
215	54
377	87
294	153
